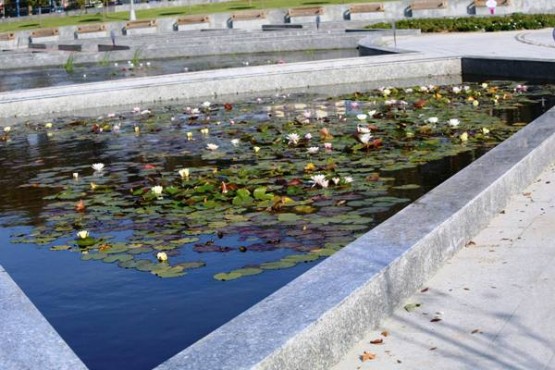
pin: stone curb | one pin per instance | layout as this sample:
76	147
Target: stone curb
28	340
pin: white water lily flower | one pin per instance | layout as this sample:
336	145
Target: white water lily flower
456	89
336	180
145	112
256	149
195	111
161	256
206	104
328	146
235	142
453	122
390	102
475	103
464	137
308	136
386	92
48	125
361	117
211	146
362	129
409	90
312	150
484	85
423	89
7	129
75	176
204	131
157	190
485	131
189	135
348	179
371	113
365	138
432	120
98	166
137	129
466	88
136	110
293	138
320	180
184	173
83	234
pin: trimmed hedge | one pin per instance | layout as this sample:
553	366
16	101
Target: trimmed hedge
516	21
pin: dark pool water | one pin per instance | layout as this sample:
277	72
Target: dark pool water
19	79
116	318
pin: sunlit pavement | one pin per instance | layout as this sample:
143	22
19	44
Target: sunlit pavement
492	305
518	44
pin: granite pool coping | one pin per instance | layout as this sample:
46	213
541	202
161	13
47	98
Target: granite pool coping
28	341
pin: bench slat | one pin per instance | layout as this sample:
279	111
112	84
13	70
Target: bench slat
366	8
7	36
89	28
141	24
45	32
303	12
248	15
428	4
192	19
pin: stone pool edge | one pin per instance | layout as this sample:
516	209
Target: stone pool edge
311	322
28	340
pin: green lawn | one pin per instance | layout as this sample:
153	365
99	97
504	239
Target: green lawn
98	15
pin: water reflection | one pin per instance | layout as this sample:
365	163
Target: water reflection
19	79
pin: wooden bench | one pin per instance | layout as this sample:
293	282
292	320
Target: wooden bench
45	32
305	12
428	4
7	36
248	15
192	19
90	28
141	24
482	3
366	8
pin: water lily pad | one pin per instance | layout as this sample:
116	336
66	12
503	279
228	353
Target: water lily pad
117	258
60	248
224	276
277	265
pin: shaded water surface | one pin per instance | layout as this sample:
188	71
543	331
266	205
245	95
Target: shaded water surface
19	79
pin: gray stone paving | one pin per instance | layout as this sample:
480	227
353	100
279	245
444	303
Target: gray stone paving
495	299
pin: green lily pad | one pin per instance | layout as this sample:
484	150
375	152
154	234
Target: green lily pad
60	248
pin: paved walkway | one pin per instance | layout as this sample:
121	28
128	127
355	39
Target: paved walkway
518	44
492	306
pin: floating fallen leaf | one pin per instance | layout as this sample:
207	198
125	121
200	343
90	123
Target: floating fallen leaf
385	333
435	319
433	348
367	356
377	341
424	290
411	306
470	243
80	206
474	331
